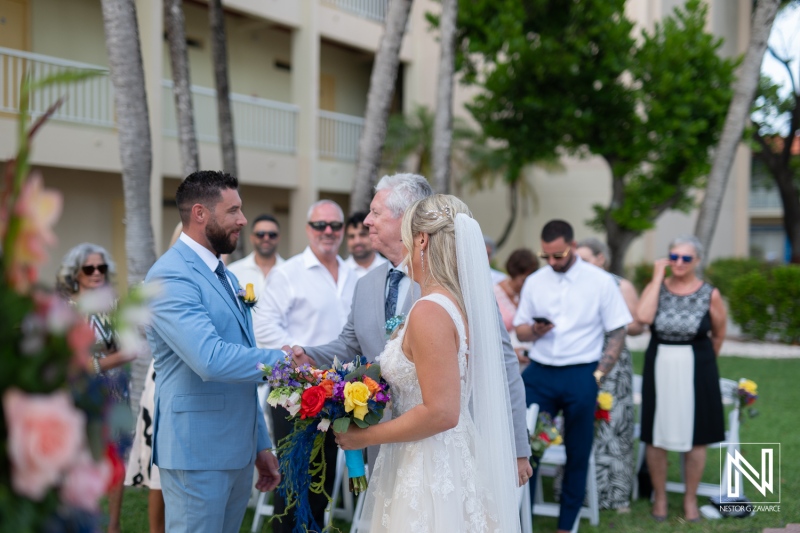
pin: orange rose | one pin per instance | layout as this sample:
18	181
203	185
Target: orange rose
372	385
328	386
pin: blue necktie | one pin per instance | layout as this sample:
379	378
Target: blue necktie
220	272
391	298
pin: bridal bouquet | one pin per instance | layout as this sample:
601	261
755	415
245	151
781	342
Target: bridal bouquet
546	435
316	398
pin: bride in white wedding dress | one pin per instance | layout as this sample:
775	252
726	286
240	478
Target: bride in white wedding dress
447	461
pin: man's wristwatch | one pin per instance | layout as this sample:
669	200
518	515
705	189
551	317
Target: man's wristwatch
598	376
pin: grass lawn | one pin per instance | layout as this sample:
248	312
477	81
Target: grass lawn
779	396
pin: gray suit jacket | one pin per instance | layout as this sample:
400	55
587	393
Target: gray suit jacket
365	334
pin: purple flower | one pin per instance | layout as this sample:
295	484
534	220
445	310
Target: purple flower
381	397
338	391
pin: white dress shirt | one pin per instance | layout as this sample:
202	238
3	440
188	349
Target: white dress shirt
583	303
210	260
248	271
360	271
302	304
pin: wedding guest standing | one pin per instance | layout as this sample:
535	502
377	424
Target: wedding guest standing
567	310
681	401
87	268
265	236
520	264
307	300
613	441
363	258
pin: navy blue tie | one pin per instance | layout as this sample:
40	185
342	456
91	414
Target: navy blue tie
220	272
391	298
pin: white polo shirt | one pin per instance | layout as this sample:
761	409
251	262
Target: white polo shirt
583	303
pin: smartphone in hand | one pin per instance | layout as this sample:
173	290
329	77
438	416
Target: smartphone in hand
542	320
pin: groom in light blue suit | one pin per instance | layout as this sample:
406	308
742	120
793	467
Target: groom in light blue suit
208	428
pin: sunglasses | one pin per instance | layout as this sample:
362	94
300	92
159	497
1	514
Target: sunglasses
685	258
89	269
270	234
320	225
560	255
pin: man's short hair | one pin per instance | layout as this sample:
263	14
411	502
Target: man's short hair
202	187
557	228
324	202
404	190
356	219
265	218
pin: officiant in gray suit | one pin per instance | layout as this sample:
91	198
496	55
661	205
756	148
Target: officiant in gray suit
387	292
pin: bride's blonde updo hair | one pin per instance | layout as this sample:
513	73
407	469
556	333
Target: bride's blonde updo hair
435	215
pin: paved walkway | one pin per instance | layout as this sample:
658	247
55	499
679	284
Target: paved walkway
734	347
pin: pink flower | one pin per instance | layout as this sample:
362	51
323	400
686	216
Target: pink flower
86	482
45	433
37	209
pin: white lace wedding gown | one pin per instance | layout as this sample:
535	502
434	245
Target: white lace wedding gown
428	486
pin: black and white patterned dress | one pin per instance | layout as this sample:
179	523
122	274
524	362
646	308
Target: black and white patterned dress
613	442
681	402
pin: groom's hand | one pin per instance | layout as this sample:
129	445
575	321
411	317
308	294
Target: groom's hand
524	470
299	356
269	474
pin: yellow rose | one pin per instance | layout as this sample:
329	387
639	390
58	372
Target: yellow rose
556	441
605	401
355	399
249	293
749	386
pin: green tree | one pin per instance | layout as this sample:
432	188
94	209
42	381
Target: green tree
571	77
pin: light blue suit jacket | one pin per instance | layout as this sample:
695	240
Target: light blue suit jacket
207	415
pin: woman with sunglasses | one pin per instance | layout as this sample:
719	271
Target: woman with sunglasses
681	402
85	269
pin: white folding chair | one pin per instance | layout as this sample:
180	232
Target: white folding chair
728	389
557	456
340	486
261	500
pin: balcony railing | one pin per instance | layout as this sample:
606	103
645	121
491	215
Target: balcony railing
257	123
339	135
765	198
86	102
368	9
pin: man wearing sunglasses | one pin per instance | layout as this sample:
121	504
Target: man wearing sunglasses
566	310
265	235
306	300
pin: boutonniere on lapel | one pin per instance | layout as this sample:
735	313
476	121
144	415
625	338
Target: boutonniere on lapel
248	295
393	323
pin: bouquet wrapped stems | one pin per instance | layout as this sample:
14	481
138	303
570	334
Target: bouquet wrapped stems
356	470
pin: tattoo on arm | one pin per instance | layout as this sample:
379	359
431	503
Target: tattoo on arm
614	346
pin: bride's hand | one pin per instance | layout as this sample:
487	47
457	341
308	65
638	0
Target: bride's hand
354	438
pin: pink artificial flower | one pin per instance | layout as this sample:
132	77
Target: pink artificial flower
86	482
37	209
45	434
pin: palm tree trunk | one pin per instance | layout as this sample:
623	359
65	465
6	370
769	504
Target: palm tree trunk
181	85
443	124
513	209
220	57
738	113
127	76
379	101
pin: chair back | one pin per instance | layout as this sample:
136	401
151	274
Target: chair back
532	417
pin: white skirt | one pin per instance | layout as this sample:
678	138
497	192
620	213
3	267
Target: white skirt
673	422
